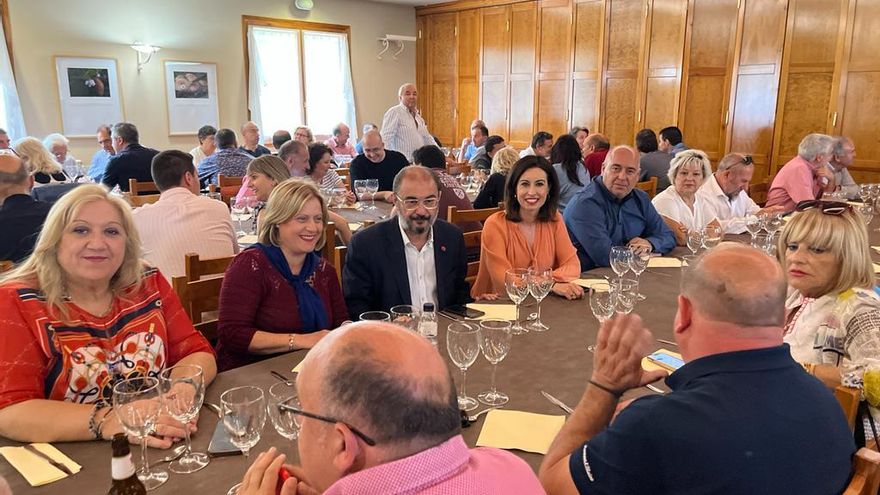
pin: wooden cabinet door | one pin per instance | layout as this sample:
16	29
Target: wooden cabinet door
624	27
468	55
587	52
494	63
554	59
662	75
521	103
708	55
442	76
813	38
421	65
756	81
858	104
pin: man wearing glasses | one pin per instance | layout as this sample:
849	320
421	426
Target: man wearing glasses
378	163
413	258
725	194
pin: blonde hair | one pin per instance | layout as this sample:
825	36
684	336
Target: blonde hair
36	157
503	160
843	235
270	166
286	200
42	267
690	157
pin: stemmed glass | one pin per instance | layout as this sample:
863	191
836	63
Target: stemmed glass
285	422
694	240
495	337
250	204
372	189
540	284
516	281
624	295
360	189
754	224
865	192
638	263
601	304
374	316
712	236
244	414
237	212
183	390
463	344
137	403
620	260
773	223
867	212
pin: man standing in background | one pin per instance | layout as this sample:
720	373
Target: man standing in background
403	129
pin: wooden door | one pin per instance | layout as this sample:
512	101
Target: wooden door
494	63
521	102
756	81
814	37
858	104
442	76
587	53
624	25
661	81
421	64
709	53
468	59
554	58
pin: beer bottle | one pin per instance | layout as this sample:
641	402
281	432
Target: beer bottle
125	480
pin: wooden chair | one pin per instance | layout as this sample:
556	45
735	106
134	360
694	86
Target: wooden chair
137	188
195	268
137	201
339	253
849	398
225	181
758	192
865	474
456	216
6	265
329	241
345	173
198	297
472	242
458	168
649	186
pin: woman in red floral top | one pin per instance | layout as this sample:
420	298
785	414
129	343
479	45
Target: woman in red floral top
80	314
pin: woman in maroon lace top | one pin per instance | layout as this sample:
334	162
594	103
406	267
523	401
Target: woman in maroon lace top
278	295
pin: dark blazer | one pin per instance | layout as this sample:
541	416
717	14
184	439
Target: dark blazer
131	163
21	219
375	278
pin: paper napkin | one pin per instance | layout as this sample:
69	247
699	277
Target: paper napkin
495	311
36	470
587	283
664	262
519	430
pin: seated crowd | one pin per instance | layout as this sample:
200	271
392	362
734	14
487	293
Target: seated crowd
89	300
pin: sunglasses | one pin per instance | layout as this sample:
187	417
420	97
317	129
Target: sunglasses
747	160
835	208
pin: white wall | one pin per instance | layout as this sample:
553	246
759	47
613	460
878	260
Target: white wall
189	30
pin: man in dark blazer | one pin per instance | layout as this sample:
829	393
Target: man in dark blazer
132	161
412	258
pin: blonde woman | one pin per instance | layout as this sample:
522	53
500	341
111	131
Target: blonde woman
493	190
279	295
40	162
679	205
82	313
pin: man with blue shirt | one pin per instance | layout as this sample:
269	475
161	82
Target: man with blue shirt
742	417
470	145
229	160
611	212
102	157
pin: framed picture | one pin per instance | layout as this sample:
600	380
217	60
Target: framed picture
191	89
89	93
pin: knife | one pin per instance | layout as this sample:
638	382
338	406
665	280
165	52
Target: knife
37	452
557	402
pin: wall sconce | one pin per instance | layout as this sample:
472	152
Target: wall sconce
144	53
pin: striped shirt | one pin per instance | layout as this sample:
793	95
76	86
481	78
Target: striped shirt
405	132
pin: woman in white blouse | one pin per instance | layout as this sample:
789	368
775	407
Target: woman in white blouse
679	205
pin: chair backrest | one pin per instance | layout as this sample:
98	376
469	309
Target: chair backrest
136	188
471	241
849	398
758	192
6	265
865	478
454	215
649	186
136	201
329	241
345	173
228	181
339	254
198	297
458	168
195	267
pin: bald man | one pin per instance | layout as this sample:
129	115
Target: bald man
250	136
611	212
742	417
21	216
403	128
339	143
378	163
388	422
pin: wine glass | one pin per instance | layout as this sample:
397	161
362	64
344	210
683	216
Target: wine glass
867	212
374	316
250	206
372	189
620	260
540	284
237	212
360	189
712	236
624	295
865	192
137	403
773	223
601	304
244	414
516	281
183	390
694	240
762	241
463	345
286	423
406	316
754	224
495	337
638	263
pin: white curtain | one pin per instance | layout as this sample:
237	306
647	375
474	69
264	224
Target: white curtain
329	91
275	93
11	118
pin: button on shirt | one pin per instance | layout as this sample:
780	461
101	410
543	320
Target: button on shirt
420	270
405	132
730	212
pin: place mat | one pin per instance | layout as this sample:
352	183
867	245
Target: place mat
664	262
648	365
519	430
587	283
353	226
247	239
495	311
36	470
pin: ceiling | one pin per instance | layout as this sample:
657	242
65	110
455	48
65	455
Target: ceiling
414	3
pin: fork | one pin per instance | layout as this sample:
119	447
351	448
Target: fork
476	416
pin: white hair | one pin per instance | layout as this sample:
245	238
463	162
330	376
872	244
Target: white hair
53	139
689	157
813	145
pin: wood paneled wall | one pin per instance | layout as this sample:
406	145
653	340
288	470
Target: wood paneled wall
751	76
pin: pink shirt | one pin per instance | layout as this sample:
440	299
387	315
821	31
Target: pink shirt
447	469
245	192
345	149
795	182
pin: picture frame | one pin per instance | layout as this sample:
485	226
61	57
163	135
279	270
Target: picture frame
191	93
89	94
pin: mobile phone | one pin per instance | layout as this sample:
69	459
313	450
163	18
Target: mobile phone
220	444
462	310
666	361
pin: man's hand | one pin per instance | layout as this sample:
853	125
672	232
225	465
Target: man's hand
826	179
622	343
262	477
642	246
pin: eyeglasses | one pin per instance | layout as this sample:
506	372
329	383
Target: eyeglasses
411	204
369	441
835	208
747	160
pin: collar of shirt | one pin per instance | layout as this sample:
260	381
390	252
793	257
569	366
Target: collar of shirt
17	200
731	362
407	242
412	474
176	194
717	192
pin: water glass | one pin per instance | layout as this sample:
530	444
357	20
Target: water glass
406	316
712	236
762	241
183	390
516	282
540	284
244	414
754	224
867	212
624	295
238	211
694	240
619	258
286	423
137	403
601	304
372	189
374	316
773	223
495	338
638	263
360	189
463	344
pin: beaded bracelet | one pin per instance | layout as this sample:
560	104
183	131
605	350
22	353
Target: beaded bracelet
101	423
93	426
616	393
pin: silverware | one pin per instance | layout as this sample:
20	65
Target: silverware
474	417
667	342
655	389
214	408
283	378
557	402
33	450
174	455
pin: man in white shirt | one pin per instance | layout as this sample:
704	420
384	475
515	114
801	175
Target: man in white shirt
542	143
724	195
403	129
843	155
181	221
206	146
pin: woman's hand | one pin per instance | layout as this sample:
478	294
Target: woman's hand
568	290
308	340
350	198
167	431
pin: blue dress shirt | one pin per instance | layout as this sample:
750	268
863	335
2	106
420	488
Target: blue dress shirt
99	163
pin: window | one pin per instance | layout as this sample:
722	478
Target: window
11	118
299	73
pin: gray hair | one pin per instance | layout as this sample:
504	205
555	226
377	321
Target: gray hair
840	143
423	172
127	132
689	157
53	139
731	160
813	145
337	129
